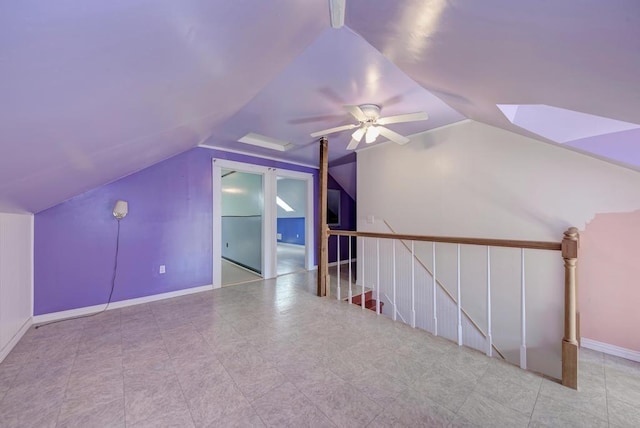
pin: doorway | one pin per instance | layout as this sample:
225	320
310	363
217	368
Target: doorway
291	201
264	221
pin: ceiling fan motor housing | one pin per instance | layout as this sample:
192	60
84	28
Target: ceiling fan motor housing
371	111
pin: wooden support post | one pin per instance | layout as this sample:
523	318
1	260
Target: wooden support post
570	340
323	255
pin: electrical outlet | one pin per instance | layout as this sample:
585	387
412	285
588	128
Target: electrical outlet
370	219
297	235
279	236
163	268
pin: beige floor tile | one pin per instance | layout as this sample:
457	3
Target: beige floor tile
590	401
146	399
486	412
213	400
412	408
286	406
172	419
444	386
551	412
110	414
387	420
512	395
346	406
622	414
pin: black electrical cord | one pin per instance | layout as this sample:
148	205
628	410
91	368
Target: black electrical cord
113	284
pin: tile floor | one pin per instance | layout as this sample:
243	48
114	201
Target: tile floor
233	274
269	353
290	258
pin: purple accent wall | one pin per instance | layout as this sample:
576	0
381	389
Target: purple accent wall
169	222
347	222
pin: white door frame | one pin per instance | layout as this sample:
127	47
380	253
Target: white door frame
269	217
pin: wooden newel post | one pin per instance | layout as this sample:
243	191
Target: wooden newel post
323	254
570	340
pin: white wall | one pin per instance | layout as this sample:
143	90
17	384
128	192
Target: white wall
242	194
16	257
293	192
242	218
479	181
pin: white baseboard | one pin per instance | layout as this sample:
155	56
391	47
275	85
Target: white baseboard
71	313
15	339
606	348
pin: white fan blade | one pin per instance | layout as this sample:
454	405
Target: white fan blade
409	117
332	130
356	137
393	135
356	112
353	144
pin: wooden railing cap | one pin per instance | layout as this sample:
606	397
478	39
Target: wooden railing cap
571	233
534	245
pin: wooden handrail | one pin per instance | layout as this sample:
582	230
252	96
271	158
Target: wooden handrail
534	245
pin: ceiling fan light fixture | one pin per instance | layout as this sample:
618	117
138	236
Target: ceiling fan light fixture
372	125
372	133
370	111
358	134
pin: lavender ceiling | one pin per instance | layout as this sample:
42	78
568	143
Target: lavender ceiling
338	68
94	90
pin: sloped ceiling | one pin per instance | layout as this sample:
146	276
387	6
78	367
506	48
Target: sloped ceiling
94	90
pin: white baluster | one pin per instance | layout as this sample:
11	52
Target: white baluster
523	311
413	285
459	302
362	277
395	309
350	262
489	339
339	278
435	290
378	277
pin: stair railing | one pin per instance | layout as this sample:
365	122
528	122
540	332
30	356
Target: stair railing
568	248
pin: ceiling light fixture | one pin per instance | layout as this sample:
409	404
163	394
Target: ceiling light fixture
337	9
372	134
234	190
358	134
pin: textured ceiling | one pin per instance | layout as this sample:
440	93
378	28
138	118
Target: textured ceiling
93	90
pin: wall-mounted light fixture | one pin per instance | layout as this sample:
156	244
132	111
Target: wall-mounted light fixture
120	209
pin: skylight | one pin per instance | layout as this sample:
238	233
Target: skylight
561	125
282	204
265	142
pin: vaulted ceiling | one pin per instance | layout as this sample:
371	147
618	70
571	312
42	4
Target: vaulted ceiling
93	90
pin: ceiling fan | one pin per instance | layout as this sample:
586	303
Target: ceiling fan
371	125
